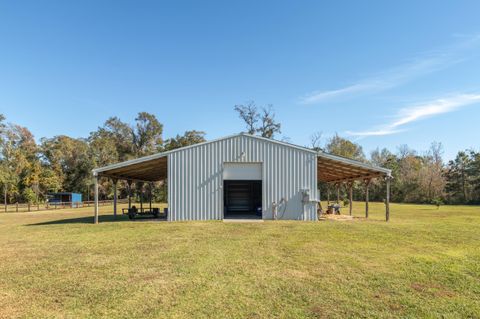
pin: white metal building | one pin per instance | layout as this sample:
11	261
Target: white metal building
241	174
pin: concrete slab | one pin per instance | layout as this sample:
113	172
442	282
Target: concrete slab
242	220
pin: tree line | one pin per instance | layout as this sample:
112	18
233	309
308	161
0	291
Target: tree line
29	170
417	177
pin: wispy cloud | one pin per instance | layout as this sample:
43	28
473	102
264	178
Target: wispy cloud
419	112
396	76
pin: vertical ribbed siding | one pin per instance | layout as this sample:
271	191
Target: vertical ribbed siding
195	177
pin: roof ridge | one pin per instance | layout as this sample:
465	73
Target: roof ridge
162	154
271	140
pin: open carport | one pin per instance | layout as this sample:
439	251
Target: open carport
243	173
338	171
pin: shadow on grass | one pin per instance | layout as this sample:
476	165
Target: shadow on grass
101	219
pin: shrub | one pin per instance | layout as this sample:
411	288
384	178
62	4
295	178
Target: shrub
437	202
29	195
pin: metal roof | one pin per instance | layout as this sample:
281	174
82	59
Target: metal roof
332	168
150	158
63	193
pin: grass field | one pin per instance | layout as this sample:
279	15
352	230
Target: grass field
424	263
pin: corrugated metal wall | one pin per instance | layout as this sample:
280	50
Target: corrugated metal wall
195	179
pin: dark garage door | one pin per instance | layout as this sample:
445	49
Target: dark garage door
242	196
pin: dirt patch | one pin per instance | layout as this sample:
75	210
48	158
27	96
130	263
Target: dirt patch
319	312
395	307
340	218
432	289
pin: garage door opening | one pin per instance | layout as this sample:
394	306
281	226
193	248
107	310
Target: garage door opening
242	199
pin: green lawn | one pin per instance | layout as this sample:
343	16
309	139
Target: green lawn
424	263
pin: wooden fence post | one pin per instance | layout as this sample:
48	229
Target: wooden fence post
5	198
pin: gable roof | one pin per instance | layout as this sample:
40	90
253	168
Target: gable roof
140	166
163	154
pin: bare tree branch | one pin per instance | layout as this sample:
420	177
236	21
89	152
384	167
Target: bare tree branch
249	114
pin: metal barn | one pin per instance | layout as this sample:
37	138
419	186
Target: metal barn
241	175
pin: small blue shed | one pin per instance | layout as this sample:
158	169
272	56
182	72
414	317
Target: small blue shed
65	197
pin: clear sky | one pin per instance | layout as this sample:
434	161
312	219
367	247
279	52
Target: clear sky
383	73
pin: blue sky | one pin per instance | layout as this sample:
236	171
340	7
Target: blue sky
382	73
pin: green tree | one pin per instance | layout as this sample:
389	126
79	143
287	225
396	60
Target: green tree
473	171
457	175
432	179
49	181
114	139
20	160
70	159
147	137
188	138
3	126
340	146
29	196
385	158
104	149
4	171
118	141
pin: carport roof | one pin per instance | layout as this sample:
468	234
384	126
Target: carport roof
146	169
331	168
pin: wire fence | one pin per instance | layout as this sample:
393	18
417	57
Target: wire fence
27	207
